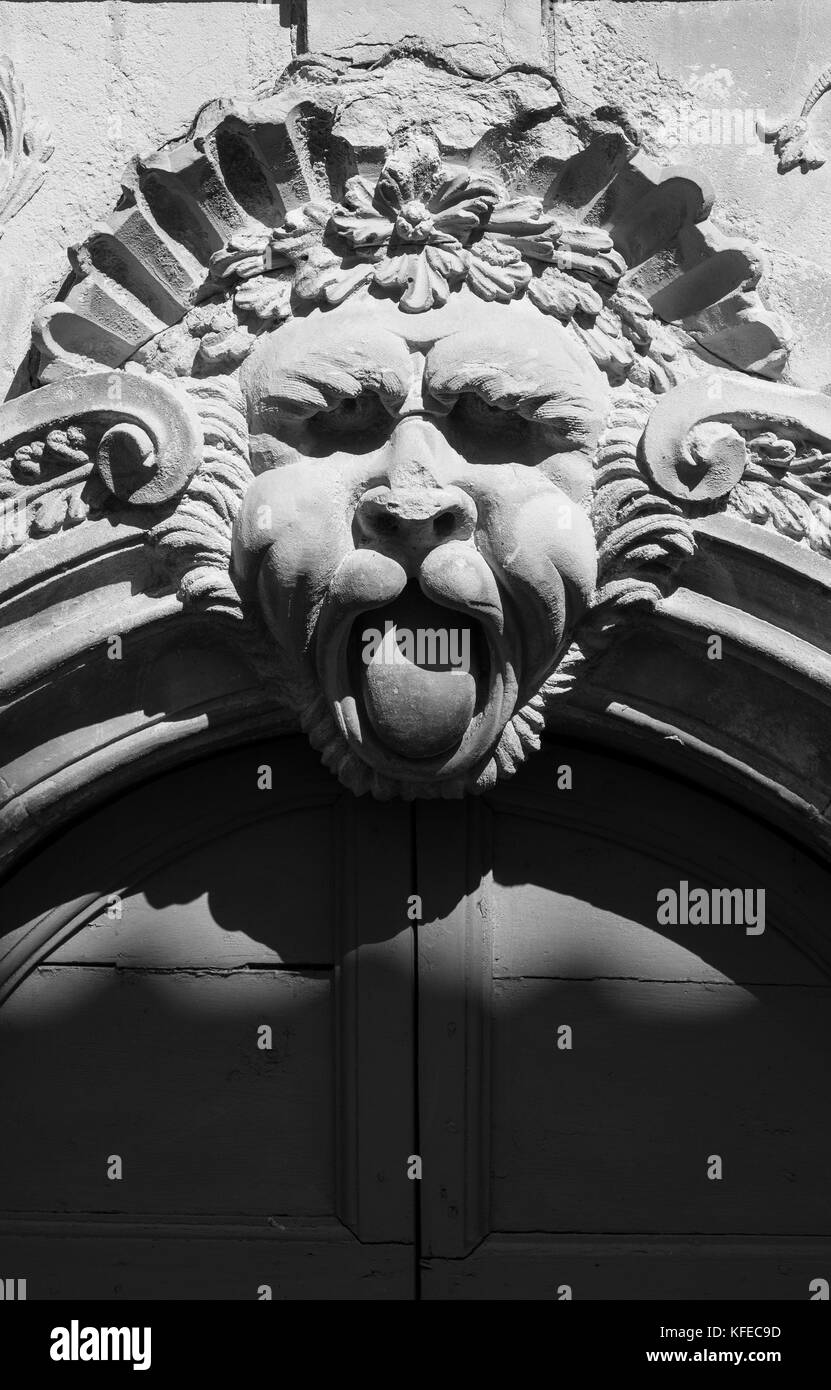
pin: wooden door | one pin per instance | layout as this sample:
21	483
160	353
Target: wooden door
148	949
580	1164
149	945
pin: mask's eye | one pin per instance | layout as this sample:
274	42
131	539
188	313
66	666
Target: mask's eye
360	415
472	413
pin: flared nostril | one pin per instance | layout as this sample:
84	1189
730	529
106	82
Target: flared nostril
383	524
444	524
415	521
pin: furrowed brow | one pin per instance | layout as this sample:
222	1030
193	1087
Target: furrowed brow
541	383
316	367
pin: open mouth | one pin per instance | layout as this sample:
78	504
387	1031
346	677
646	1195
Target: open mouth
422	672
419	688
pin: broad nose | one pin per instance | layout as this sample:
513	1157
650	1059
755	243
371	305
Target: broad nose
410	522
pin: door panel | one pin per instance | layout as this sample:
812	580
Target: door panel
248	897
637	1268
152	944
173	1082
165	1260
615	1135
687	1042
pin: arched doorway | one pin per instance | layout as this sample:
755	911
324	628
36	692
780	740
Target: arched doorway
266	1003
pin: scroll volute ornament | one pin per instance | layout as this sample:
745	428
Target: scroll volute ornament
140	435
695	445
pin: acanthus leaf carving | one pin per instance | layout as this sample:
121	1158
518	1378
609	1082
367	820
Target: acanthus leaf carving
26	146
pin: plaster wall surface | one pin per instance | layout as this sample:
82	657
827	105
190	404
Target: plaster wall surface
678	66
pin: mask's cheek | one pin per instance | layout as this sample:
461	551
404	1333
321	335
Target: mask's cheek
573	472
295	441
545	553
292	531
268	451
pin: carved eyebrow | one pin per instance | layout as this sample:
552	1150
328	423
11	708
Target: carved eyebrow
314	367
543	383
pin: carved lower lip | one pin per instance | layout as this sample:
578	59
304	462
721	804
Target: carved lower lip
495	700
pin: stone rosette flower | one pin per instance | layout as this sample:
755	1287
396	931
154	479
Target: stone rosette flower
422	230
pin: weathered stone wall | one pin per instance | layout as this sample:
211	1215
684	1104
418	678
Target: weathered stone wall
113	78
679	66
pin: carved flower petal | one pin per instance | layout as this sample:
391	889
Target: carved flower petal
448	260
427	289
494	277
422	280
346	283
361	229
522	216
460	185
609	324
586	239
541	246
395	187
460	222
606	266
392	274
445	241
451	189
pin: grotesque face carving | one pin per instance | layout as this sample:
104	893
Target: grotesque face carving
418	538
466	452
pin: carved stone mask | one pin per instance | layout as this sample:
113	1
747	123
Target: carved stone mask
419	542
379	362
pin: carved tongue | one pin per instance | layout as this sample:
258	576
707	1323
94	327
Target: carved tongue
418	695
